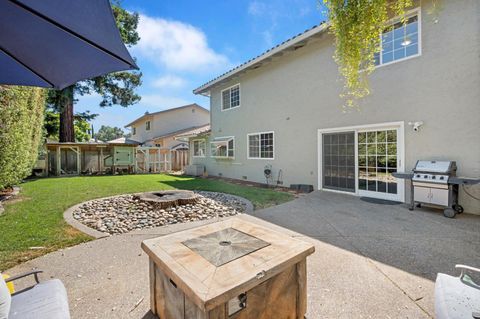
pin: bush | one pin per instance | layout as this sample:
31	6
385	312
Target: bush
21	128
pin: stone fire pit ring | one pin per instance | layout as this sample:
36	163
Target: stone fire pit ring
216	205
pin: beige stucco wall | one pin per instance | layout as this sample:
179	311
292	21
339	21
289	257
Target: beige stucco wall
167	122
298	94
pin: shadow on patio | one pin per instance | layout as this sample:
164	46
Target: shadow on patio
422	242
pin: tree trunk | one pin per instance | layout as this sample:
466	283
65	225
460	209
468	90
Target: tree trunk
67	129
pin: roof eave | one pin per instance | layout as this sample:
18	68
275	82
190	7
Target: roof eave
138	120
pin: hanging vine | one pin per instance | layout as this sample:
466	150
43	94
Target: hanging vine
357	26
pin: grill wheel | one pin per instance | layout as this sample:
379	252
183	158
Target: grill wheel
458	208
449	212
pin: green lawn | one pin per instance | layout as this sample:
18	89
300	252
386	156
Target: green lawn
36	218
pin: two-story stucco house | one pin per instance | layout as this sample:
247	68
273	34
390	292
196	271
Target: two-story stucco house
160	128
282	110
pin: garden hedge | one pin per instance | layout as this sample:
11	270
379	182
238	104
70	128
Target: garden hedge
21	129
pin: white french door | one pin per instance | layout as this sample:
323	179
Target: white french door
378	158
378	153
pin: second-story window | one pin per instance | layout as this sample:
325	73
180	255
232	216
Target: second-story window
147	125
134	130
400	40
231	97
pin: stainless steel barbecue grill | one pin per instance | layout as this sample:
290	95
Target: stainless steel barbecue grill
430	184
435	183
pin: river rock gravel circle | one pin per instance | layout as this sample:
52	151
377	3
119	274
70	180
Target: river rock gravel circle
122	214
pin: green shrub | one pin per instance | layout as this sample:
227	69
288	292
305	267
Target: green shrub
21	127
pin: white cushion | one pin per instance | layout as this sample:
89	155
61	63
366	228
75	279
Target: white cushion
5	299
455	299
46	300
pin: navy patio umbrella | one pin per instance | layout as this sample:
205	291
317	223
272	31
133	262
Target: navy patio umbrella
56	43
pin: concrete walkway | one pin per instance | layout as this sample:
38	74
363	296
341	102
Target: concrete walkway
371	261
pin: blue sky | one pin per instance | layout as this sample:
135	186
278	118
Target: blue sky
185	43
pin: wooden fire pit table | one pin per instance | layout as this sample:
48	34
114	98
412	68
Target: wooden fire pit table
230	269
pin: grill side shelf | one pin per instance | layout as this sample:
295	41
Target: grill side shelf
463	180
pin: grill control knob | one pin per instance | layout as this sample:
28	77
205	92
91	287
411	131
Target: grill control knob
425	176
418	175
441	177
433	177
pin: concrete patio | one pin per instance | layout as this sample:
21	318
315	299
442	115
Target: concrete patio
371	260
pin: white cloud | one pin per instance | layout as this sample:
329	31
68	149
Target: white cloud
304	11
257	8
177	46
169	82
158	102
268	38
269	16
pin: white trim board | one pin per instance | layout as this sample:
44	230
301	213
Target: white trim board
357	128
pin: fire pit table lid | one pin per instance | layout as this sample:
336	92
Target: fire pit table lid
209	285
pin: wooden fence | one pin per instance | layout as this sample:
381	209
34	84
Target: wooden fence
160	160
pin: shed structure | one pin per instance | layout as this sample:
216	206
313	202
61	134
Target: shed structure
89	158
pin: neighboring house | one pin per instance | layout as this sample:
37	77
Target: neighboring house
159	150
159	128
282	110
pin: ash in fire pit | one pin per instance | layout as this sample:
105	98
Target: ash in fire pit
166	199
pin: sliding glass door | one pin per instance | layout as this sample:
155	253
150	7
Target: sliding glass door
377	159
339	161
361	160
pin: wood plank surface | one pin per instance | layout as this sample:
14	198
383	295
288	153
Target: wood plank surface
275	298
219	312
151	268
170	301
192	311
301	269
208	286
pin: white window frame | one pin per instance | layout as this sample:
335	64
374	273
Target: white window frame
418	12
259	146
232	138
149	125
239	96
204	148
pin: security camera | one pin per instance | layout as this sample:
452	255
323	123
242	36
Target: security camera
416	125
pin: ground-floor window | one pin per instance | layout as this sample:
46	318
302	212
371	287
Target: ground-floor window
199	148
223	147
260	145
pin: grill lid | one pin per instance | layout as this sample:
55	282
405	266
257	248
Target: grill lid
439	167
